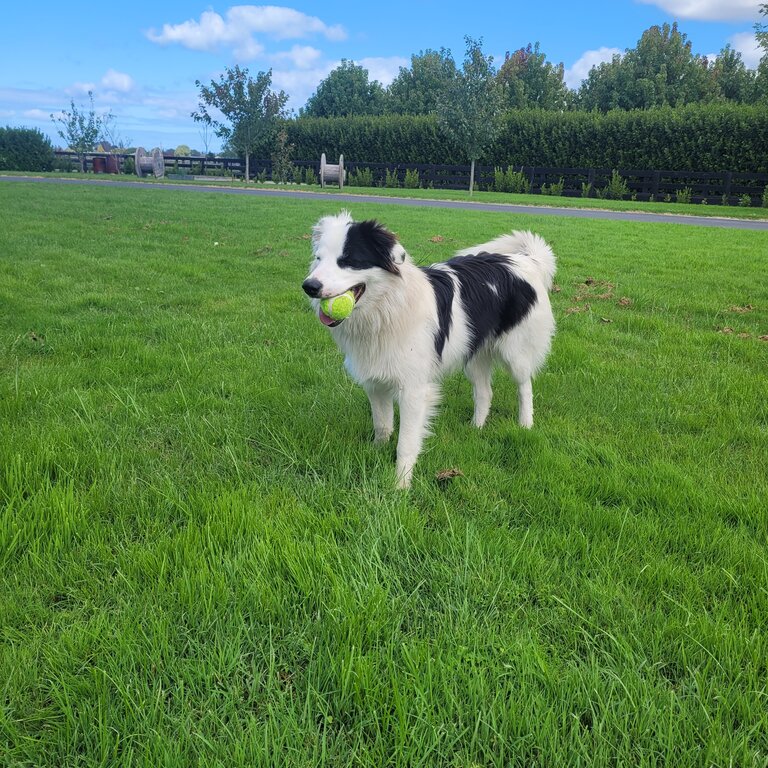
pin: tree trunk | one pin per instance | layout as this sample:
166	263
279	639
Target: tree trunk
247	166
472	177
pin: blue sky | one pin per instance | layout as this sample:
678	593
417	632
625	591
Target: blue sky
141	59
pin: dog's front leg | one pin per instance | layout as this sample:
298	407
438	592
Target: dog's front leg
381	398
416	405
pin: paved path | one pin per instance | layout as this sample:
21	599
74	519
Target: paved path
535	210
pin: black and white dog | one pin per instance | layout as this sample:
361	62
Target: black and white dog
412	325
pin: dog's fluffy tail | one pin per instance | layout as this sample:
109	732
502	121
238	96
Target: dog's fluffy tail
522	243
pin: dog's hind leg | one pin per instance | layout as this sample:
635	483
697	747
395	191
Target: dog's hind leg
381	398
525	403
478	370
416	407
521	373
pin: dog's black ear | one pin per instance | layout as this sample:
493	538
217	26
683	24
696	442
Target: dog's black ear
369	244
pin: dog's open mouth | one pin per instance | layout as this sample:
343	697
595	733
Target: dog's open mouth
358	290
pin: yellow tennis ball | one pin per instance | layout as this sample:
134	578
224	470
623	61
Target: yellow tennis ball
339	307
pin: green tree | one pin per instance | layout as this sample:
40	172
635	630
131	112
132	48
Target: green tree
346	91
761	30
80	130
470	112
761	80
660	71
250	110
25	149
111	132
731	80
418	90
531	81
182	150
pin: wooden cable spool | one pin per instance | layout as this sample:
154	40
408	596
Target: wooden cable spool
332	173
146	163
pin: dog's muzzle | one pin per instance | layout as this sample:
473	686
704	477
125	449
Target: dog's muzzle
312	287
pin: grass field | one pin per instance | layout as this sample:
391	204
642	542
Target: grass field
204	562
543	201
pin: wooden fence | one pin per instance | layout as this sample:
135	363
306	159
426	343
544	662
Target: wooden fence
717	187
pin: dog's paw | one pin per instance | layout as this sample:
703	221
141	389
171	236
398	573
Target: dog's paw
381	438
404	478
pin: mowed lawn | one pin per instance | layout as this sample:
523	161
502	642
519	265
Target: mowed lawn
204	562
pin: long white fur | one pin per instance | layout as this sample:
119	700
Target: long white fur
388	340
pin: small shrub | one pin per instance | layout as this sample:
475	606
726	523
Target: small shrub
617	188
310	177
556	190
282	168
499	180
683	195
412	179
391	181
517	181
361	177
724	200
765	197
510	181
587	190
129	166
745	201
667	198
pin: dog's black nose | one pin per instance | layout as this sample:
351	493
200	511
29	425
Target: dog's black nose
312	287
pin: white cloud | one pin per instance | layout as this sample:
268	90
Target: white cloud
118	81
709	10
299	84
384	69
580	69
36	114
237	31
281	23
80	89
746	44
204	35
300	56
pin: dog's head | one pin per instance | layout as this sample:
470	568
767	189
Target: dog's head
363	257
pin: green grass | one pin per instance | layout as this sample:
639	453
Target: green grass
203	561
683	209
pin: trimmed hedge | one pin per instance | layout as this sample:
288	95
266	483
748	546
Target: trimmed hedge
716	137
25	149
375	139
711	137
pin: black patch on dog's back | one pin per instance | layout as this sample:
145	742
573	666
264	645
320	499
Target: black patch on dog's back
442	286
368	244
494	298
